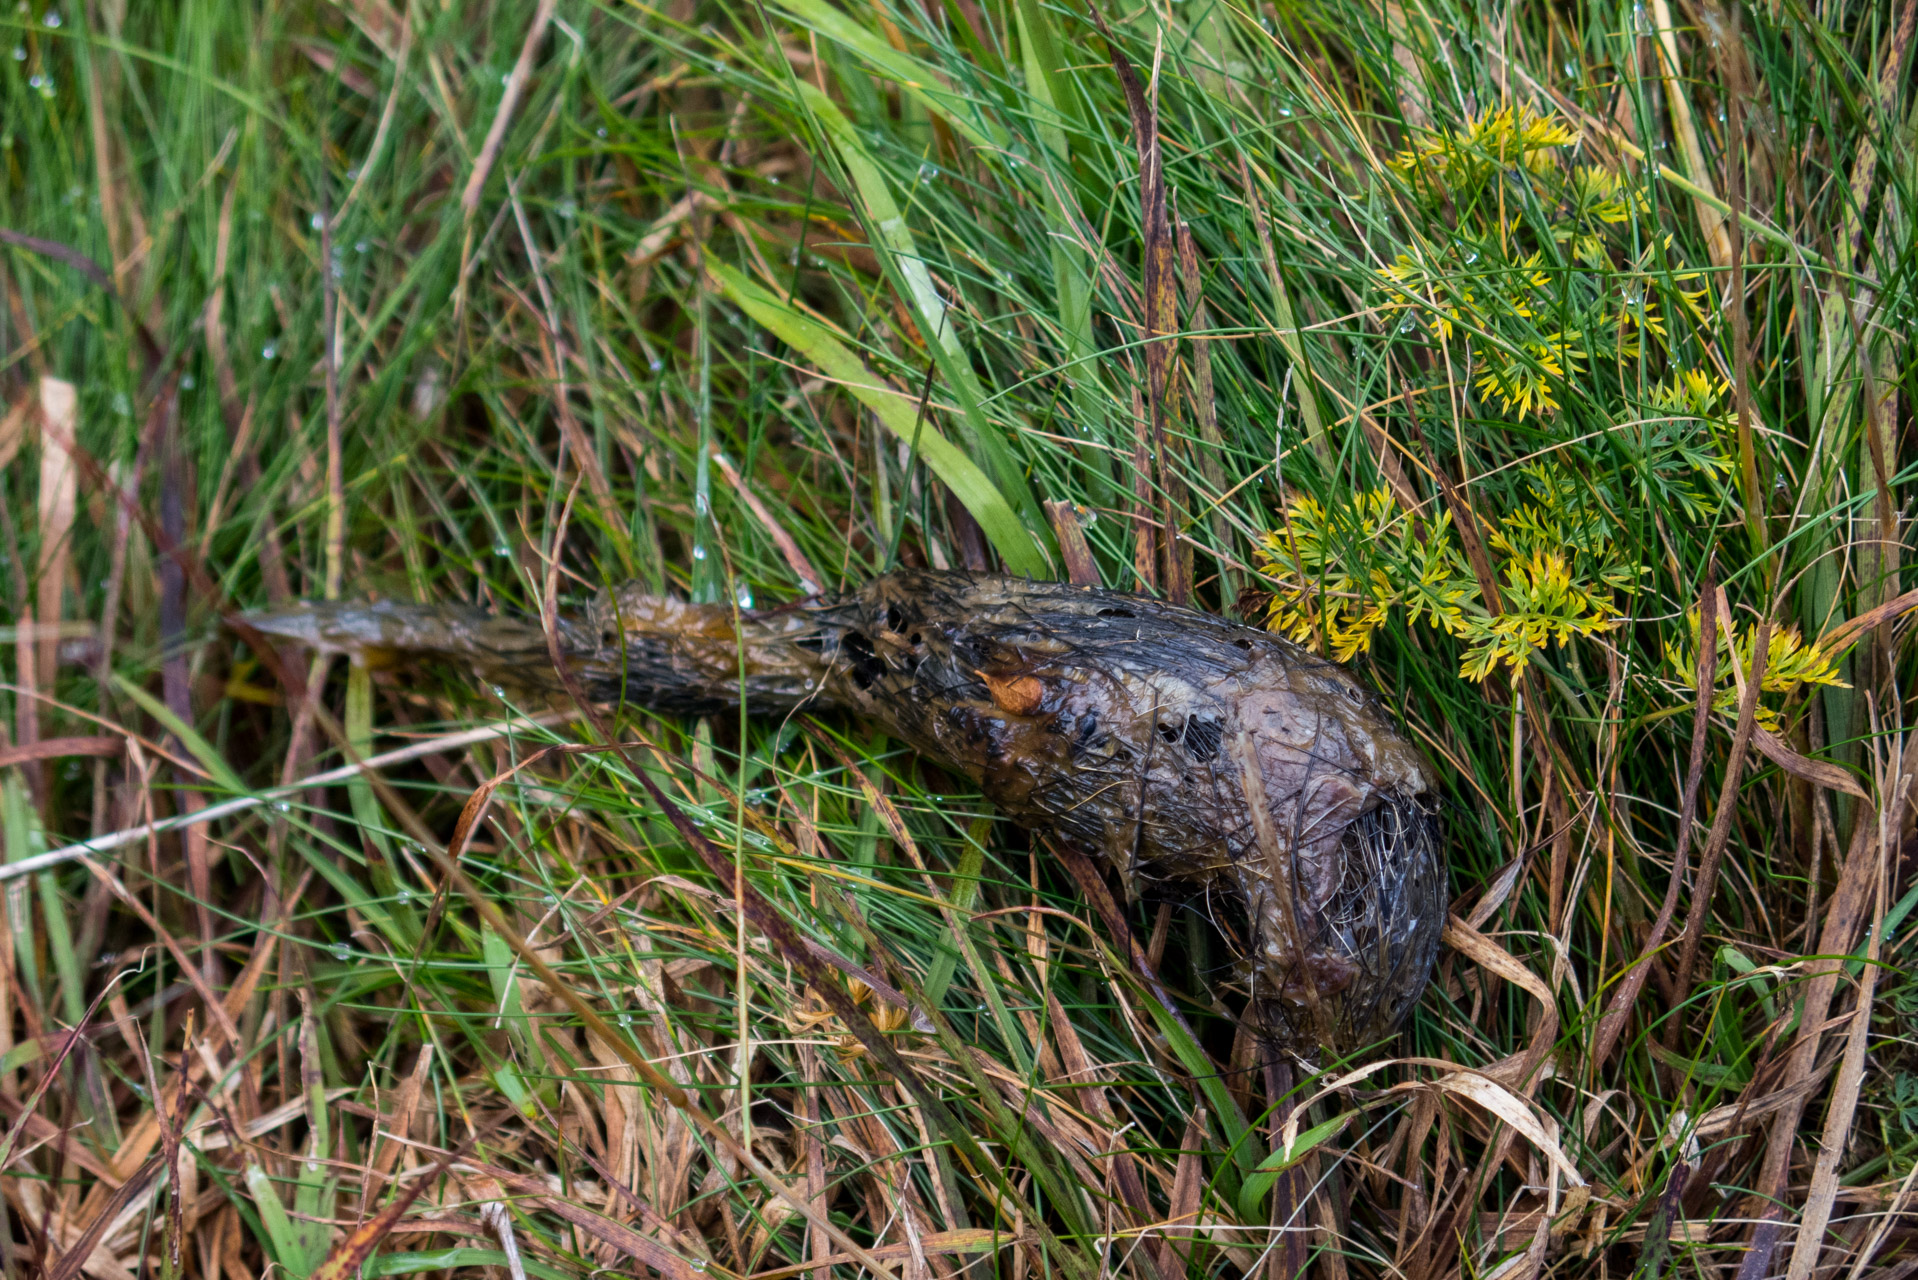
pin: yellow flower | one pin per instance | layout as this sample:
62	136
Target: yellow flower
1522	381
1498	139
1543	605
1338	570
1791	663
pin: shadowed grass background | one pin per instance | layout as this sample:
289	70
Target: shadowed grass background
1514	352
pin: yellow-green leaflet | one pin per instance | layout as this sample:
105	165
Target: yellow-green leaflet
897	411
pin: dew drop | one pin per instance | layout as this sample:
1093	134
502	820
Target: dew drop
52	19
499	693
19	53
269	352
745	597
702	505
341	951
601	131
501	550
360	246
317	221
699	551
283	806
188	382
927	172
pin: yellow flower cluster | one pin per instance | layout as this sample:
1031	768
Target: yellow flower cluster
1459	161
1791	663
1533	304
1339	571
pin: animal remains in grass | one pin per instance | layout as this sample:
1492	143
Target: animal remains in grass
1194	754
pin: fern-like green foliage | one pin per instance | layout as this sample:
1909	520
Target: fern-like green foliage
1341	571
1546	288
1791	663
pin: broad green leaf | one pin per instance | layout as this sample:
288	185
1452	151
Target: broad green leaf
894	242
919	80
1252	1196
359	732
897	411
458	1259
26	1053
24	840
1072	264
217	768
284	1240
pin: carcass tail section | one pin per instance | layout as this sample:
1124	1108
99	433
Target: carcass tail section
627	649
698	659
500	648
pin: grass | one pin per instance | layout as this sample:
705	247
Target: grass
1506	342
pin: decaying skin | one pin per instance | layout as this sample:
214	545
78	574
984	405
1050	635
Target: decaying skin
1188	750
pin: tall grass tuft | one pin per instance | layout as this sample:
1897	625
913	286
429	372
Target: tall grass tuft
1551	365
